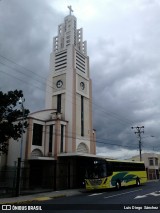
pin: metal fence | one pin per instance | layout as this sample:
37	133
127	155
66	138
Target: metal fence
32	180
39	176
7	181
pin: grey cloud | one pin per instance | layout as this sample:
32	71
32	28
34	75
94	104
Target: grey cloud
26	38
128	86
124	66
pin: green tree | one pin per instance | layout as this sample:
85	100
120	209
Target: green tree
11	118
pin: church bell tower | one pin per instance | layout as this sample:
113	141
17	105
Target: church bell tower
69	88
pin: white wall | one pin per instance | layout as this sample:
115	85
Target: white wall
14	150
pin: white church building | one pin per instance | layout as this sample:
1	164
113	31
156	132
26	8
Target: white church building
61	138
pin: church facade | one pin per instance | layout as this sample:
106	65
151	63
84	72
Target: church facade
61	138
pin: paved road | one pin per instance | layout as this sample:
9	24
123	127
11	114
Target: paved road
132	199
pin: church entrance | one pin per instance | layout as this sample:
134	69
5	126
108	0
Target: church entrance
42	174
72	171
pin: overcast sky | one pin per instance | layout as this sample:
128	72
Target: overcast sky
123	38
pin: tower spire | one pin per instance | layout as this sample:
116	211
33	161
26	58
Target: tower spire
70	9
72	92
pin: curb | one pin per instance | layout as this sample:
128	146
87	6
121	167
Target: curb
150	181
44	198
48	198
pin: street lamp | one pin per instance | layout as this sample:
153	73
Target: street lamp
18	181
21	101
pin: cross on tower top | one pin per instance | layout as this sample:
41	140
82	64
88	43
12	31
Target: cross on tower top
70	9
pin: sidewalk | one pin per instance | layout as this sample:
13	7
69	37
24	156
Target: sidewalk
46	195
41	196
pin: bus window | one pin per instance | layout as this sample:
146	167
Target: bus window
96	170
109	168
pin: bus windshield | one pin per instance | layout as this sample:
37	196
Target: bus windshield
96	170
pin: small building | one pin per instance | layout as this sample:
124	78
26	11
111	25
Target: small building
152	164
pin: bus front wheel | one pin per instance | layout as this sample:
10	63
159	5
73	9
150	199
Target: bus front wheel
118	185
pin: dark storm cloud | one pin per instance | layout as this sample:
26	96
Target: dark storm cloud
26	32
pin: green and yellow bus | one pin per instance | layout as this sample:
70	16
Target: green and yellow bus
105	173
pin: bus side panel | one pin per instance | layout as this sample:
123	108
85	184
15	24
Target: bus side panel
128	178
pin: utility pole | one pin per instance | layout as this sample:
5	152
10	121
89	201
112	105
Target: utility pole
139	132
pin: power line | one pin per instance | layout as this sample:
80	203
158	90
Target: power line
100	141
111	114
